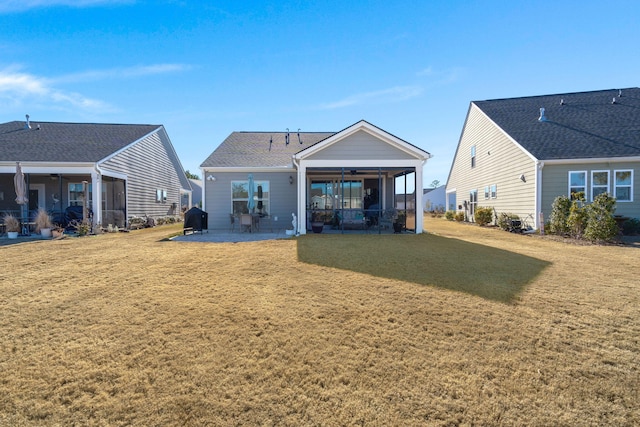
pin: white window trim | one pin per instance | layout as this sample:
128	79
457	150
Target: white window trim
493	191
586	186
487	192
615	187
473	156
592	187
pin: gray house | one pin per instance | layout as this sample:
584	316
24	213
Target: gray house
134	166
348	179
517	155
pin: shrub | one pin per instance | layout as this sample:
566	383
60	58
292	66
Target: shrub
560	211
449	215
459	216
82	227
504	220
601	226
577	219
631	227
42	220
484	215
11	223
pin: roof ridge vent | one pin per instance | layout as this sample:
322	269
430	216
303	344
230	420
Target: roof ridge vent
27	125
542	117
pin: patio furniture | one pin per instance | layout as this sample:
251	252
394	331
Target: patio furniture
246	222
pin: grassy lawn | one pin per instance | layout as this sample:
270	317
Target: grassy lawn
461	326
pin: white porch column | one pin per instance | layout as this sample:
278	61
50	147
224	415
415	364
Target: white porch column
419	194
302	198
96	202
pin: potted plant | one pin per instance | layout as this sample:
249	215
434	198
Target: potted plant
43	223
12	226
57	231
399	221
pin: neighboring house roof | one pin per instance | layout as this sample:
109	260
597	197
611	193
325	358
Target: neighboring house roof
579	125
67	142
261	149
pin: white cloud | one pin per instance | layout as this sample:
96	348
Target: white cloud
394	94
7	6
17	86
440	77
118	73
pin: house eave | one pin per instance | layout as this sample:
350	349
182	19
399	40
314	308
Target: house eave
591	160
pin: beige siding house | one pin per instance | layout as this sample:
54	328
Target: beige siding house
517	155
345	180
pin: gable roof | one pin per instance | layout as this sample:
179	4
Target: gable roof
581	125
364	125
261	149
66	142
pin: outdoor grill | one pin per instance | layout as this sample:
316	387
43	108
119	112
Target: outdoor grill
195	220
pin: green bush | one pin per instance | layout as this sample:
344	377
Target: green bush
484	215
560	211
577	219
601	226
449	215
631	227
504	220
459	216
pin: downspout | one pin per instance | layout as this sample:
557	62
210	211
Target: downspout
538	221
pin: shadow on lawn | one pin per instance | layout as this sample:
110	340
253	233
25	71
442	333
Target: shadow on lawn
426	259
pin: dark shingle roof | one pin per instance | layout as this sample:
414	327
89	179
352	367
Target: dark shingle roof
587	125
252	149
66	142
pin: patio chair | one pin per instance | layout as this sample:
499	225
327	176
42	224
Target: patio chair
246	222
232	219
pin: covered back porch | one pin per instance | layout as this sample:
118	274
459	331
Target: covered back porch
361	200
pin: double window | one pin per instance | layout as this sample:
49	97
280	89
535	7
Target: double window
240	197
491	192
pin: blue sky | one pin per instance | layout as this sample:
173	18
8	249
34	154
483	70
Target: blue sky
206	69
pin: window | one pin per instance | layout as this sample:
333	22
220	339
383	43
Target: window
486	192
577	183
599	183
623	186
76	194
473	202
452	201
161	196
473	156
240	197
494	191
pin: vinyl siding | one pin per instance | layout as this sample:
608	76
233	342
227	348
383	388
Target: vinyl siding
555	182
360	146
218	197
499	161
149	164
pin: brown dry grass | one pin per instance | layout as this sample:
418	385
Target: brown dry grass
464	326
